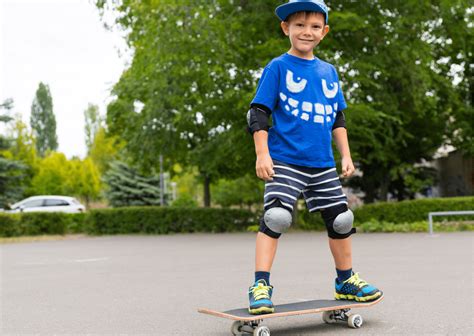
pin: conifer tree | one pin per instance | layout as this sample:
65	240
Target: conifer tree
11	172
127	187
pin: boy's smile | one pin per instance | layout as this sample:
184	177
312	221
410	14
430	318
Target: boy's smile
305	32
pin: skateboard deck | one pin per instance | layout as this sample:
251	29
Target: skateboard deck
333	311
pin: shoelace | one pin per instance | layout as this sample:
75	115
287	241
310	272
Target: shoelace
357	281
260	291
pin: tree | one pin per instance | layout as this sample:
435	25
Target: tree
43	121
391	57
93	122
127	187
11	171
105	149
53	175
84	180
245	190
23	149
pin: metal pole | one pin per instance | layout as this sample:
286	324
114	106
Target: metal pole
430	221
162	182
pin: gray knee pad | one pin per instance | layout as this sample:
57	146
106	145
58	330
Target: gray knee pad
277	219
343	222
339	222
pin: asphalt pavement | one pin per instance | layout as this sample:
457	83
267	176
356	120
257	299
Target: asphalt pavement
153	285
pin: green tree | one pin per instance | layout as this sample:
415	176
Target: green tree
11	171
105	149
127	187
23	150
43	121
245	190
392	58
93	122
84	180
53	175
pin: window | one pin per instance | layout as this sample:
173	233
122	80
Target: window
33	203
55	202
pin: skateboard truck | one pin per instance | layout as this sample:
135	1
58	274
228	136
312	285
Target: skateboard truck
332	316
240	328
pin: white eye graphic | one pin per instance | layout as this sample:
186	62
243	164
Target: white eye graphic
330	93
292	86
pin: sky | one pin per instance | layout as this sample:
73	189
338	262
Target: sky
62	43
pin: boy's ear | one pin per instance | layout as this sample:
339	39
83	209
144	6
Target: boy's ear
325	31
285	27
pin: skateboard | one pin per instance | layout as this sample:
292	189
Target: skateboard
333	311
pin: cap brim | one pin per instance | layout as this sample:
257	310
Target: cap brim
287	9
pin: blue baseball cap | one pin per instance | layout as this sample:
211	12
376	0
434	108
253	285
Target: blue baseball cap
294	6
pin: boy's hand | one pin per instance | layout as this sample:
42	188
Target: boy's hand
264	167
347	167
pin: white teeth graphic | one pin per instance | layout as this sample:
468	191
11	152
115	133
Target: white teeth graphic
292	86
328	109
295	113
293	103
307	107
305	116
319	119
283	96
319	108
330	93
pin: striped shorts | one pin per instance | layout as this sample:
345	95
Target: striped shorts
321	187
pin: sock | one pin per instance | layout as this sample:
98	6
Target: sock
343	275
263	276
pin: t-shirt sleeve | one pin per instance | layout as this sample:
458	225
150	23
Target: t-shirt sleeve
267	89
341	102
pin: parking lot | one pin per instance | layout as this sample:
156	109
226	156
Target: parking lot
153	285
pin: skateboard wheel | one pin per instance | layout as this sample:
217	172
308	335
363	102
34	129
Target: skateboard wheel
355	321
328	317
261	331
236	328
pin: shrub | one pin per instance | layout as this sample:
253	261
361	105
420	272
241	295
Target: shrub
412	210
156	220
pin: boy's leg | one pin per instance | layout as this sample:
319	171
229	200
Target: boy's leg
341	250
265	251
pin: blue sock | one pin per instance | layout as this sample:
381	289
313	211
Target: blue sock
263	276
343	275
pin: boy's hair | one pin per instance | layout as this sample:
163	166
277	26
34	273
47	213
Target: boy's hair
305	13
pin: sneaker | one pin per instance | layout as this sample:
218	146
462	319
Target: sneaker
356	289
260	297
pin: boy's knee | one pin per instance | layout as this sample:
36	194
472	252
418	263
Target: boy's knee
339	221
275	221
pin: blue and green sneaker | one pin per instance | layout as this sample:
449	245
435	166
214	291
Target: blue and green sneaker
260	297
356	289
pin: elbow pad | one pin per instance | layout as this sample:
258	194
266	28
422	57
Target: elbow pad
257	119
340	120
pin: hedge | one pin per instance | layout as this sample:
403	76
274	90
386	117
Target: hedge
413	210
379	217
409	211
156	220
40	223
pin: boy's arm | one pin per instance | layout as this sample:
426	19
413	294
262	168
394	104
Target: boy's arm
340	138
264	164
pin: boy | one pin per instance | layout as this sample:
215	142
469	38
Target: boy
294	156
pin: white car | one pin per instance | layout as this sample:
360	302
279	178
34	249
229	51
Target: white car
48	204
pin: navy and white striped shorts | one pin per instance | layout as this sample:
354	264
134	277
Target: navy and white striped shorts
321	187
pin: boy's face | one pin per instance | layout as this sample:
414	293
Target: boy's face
305	32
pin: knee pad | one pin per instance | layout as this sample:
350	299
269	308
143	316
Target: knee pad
339	222
275	221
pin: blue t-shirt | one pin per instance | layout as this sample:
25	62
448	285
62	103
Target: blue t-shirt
304	97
